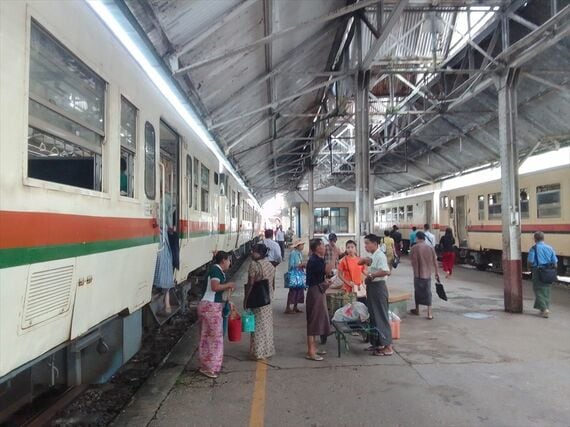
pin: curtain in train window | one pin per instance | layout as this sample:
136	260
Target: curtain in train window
128	136
548	201
149	161
66	115
205	187
524	203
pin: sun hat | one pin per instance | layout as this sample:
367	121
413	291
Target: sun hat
297	242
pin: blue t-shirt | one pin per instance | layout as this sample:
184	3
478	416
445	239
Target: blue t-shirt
413	237
541	254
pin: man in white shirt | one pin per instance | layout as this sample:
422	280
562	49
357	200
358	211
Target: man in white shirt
377	297
274	253
280	238
430	238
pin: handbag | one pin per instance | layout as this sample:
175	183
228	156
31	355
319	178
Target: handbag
286	279
440	291
258	294
297	279
395	262
360	291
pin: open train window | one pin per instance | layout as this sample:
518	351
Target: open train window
383	215
66	115
234	204
205	187
444	202
196	182
548	201
149	161
128	135
189	180
481	207
523	195
409	213
494	202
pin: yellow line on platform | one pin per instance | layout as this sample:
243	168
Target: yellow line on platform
257	414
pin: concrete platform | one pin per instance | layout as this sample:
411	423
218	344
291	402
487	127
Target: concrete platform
491	369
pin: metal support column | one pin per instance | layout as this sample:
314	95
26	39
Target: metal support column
311	197
362	156
512	265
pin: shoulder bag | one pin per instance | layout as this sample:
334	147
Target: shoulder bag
258	294
546	273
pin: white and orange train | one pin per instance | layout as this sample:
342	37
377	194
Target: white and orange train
88	146
473	211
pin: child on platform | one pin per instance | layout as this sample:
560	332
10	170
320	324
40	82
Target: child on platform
350	272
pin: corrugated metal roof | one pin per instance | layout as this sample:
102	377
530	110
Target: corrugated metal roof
257	78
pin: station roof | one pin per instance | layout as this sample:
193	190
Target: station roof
273	81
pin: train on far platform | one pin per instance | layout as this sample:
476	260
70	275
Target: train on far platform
473	212
89	150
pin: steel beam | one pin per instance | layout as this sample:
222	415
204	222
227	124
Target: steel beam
393	19
311	197
511	221
267	39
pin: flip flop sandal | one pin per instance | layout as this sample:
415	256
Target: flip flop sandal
382	353
414	312
298	311
208	374
315	358
372	348
321	352
429	318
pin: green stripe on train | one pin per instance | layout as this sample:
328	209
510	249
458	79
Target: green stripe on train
14	257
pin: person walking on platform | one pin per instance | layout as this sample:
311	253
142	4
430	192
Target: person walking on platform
280	239
447	245
429	238
318	323
389	247
274	251
211	347
413	236
543	261
332	251
261	344
397	236
297	278
424	263
377	297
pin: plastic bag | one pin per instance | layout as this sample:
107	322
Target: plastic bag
248	321
234	325
336	283
353	312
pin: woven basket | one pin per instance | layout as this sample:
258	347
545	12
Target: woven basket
338	300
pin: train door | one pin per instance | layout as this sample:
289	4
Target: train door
428	212
460	221
169	175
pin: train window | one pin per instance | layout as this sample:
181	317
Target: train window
196	182
149	161
395	214
216	178
481	207
494	202
66	115
524	203
383	215
444	202
401	214
234	203
389	215
128	135
548	201
409	213
205	187
189	180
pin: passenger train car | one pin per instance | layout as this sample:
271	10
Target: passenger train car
474	214
92	157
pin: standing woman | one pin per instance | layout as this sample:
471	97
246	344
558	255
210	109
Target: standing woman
318	323
540	257
261	344
447	243
211	347
297	278
390	248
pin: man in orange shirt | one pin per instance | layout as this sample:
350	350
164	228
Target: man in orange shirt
350	272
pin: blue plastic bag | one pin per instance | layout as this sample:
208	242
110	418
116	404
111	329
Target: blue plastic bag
248	321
